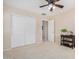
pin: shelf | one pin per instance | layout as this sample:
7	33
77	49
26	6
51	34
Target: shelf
67	41
67	45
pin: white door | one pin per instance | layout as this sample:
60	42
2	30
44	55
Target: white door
51	30
23	30
30	30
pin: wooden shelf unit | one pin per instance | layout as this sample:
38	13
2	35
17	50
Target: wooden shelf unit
68	40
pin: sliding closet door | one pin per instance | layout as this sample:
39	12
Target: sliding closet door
30	30
23	30
17	31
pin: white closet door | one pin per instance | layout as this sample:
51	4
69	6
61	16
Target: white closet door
23	30
51	30
17	31
30	30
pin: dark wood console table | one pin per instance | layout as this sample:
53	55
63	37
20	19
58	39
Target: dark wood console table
68	40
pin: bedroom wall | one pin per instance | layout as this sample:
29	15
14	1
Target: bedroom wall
6	28
67	20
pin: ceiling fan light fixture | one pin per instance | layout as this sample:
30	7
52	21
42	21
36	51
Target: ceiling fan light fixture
53	7
50	6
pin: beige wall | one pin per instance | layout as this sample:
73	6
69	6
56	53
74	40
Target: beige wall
6	30
67	20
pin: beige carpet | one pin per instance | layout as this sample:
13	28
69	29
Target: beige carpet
40	51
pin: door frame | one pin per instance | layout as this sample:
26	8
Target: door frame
41	28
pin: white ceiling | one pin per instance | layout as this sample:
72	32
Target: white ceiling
33	5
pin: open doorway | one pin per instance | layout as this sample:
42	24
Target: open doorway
45	30
48	30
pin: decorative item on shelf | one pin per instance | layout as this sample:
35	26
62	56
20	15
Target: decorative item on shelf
64	31
70	33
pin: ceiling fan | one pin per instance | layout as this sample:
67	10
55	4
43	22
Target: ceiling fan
51	4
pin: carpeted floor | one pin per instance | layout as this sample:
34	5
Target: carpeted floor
40	51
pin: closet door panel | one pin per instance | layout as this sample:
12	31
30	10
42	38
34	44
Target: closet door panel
17	31
30	30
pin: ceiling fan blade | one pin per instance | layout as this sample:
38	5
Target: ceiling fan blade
48	0
52	0
60	6
44	5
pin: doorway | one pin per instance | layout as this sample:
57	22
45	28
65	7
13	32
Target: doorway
45	30
48	30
